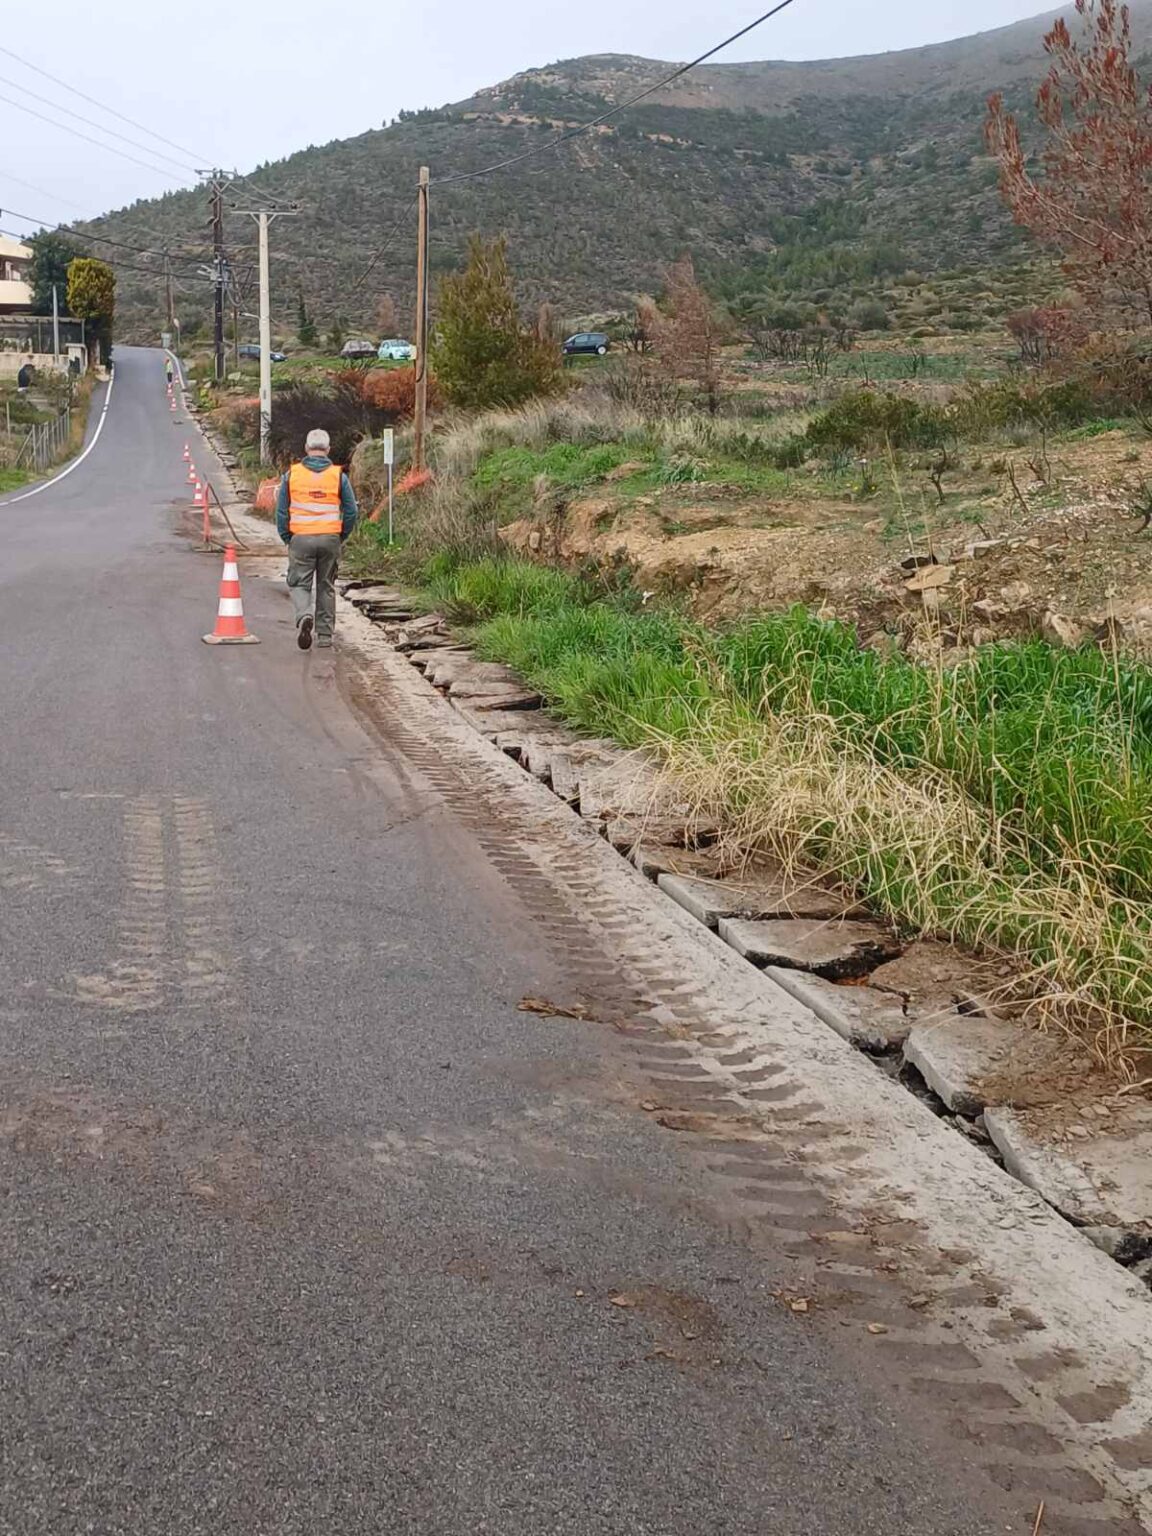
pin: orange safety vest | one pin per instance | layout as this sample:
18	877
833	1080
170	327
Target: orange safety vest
314	500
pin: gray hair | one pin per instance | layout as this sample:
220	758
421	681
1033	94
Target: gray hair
317	441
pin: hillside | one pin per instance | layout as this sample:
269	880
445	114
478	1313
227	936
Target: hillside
803	176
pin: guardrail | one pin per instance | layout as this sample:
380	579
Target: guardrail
45	442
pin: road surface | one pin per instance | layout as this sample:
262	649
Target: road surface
306	1228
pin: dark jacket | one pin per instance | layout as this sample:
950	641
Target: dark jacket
350	512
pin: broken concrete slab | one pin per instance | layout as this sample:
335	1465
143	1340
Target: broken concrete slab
836	949
487	681
373	592
1097	1179
499	699
958	1054
653	859
445	665
710	901
872	1021
569	766
630	785
523	729
426	643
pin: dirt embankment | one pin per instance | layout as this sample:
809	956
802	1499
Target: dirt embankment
1066	559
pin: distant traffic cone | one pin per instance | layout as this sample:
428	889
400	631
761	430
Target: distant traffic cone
200	495
187	454
191	473
171	402
230	628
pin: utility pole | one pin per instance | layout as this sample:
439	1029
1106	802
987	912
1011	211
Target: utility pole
218	271
55	329
420	406
168	292
264	217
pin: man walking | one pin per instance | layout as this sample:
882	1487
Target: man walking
315	512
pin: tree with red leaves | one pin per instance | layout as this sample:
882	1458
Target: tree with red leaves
1094	198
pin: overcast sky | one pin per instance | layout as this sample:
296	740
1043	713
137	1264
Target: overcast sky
237	82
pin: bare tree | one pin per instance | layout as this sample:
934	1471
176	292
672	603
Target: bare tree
386	316
688	333
1093	200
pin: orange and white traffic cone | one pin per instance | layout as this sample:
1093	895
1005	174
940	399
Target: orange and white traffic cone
187	454
230	628
191	473
200	495
171	402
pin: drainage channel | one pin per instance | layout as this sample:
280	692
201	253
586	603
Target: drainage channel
1130	1248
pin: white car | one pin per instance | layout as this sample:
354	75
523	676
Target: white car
396	351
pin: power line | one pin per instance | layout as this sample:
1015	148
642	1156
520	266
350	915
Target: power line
100	128
87	137
622	106
43	192
139	250
395	230
113	261
159	236
112	112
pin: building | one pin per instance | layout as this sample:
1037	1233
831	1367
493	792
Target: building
15	294
29	338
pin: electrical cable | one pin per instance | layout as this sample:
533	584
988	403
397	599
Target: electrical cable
124	245
112	133
52	196
110	149
112	112
574	133
395	230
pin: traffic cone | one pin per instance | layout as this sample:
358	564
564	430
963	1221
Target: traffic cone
200	495
187	454
171	402
191	473
230	628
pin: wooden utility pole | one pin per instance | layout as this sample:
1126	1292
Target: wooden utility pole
420	407
168	293
218	271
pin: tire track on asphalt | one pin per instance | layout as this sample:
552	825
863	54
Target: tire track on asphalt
758	1101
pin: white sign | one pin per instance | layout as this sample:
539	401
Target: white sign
388	439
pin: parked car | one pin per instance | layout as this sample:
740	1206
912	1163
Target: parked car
251	350
586	343
395	351
358	347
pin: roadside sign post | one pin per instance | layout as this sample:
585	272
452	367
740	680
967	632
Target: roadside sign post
388	440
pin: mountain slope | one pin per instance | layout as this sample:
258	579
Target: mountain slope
881	157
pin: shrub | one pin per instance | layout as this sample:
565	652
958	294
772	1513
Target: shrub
338	406
868	315
393	391
865	418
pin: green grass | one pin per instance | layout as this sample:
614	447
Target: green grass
567	465
12	479
889	366
1053	747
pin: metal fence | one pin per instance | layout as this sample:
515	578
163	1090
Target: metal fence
45	443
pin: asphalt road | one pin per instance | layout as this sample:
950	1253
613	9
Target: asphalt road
305	1228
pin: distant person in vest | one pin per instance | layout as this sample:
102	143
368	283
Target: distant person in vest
24	377
315	512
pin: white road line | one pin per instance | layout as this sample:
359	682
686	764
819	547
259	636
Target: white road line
76	463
